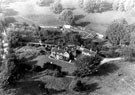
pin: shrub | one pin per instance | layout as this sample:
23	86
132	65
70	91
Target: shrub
37	68
51	66
80	86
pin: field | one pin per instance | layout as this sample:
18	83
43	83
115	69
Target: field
44	16
116	78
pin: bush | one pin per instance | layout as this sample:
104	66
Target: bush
37	68
80	86
51	66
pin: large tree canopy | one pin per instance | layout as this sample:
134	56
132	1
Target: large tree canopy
117	32
67	16
44	2
91	6
123	5
57	7
86	65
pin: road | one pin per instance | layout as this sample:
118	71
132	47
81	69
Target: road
105	60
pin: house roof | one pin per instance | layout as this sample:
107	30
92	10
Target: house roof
67	26
86	50
58	50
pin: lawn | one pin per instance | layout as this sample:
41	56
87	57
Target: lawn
65	65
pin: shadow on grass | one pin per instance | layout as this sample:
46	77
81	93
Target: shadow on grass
91	87
35	88
106	69
77	17
53	91
10	12
87	88
83	24
9	20
31	88
32	62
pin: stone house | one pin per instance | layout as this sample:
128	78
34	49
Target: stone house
59	54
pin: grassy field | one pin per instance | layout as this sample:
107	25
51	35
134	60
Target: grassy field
44	16
65	65
112	79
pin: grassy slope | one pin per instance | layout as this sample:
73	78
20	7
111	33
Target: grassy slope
44	16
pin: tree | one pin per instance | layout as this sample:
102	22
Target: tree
19	35
79	86
117	32
8	66
80	3
13	38
123	5
44	2
132	38
104	6
86	65
115	5
128	52
75	39
2	19
67	16
57	7
90	6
